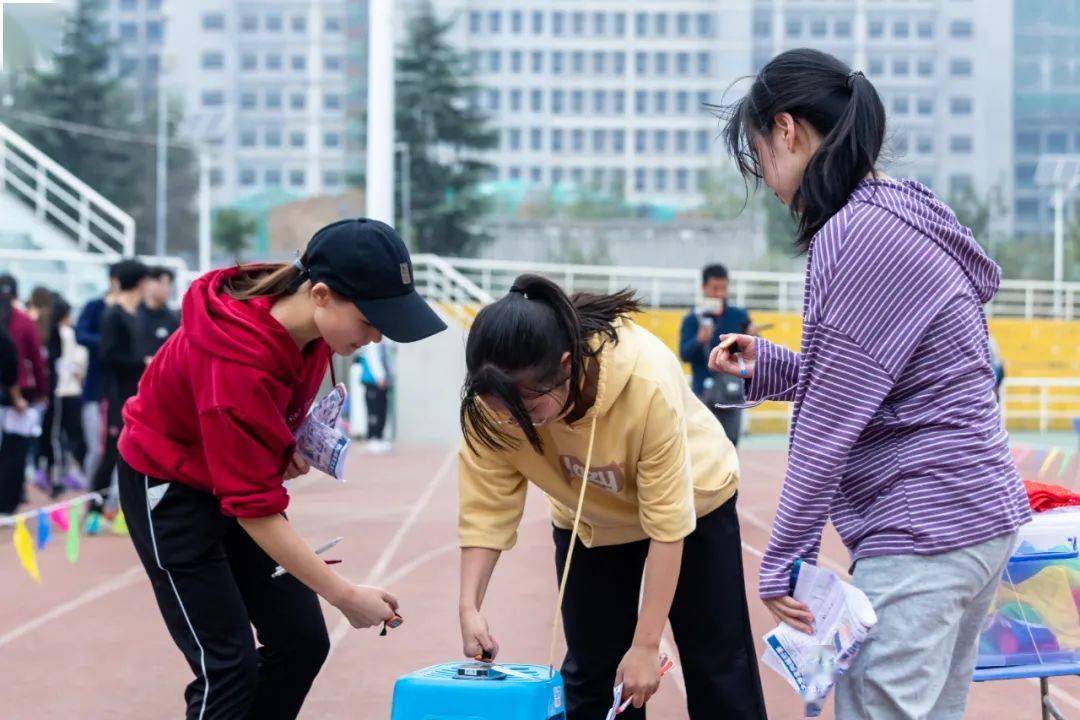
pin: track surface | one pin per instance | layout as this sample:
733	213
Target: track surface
88	642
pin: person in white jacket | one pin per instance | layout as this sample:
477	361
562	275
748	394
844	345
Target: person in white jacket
66	453
376	376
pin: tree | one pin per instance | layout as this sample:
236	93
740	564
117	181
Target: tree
232	231
79	88
445	133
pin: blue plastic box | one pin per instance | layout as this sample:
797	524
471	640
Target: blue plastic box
438	693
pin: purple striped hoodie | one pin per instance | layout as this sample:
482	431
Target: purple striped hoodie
896	435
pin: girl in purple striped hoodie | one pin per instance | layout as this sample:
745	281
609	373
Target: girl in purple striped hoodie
896	436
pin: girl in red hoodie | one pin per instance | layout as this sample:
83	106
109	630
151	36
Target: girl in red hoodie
208	442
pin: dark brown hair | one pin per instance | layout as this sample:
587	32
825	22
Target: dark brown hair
521	338
264	279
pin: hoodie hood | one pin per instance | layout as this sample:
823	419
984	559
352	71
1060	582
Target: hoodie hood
240	331
617	363
917	205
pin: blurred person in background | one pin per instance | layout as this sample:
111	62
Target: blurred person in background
376	374
62	446
700	332
157	321
88	334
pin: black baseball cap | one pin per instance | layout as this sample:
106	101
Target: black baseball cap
367	262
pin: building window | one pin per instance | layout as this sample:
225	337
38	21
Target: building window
682	24
536	174
640	141
129	5
682	141
641	63
1027	142
682	102
273	138
618	63
273	61
682	180
249	61
960	67
213	60
682	64
475	18
556	63
961	144
514	138
641	24
660	102
794	28
704	25
577	24
618	105
577	102
331	139
516	61
332	24
558	98
247	100
661	63
1025	175
876	29
901	67
599	63
296	178
924	144
536	100
154	31
926	29
537	61
577	141
577	62
556	175
247	138
332	63
536	139
900	144
842	29
702	141
599	102
494	22
213	21
557	24
660	141
639	179
537	22
926	68
299	62
618	142
925	106
273	99
332	178
273	23
620	24
641	102
703	63
213	98
247	177
877	67
901	29
660	25
297	139
129	32
599	141
494	61
299	23
901	105
217	177
249	23
960	105
515	100
818	28
298	101
961	28
331	101
660	179
1057	142
517	21
128	66
599	24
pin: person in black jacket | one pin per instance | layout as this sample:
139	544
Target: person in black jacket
123	359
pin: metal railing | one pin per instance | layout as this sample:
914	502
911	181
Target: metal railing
1045	403
58	197
756	290
441	283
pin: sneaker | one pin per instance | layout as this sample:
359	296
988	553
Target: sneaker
93	524
74	481
383	447
42	482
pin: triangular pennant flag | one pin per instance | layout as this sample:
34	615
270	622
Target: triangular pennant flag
119	525
59	516
1048	462
44	529
1066	460
1037	457
24	548
72	546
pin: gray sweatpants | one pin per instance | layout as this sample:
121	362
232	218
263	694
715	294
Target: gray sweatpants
92	430
919	658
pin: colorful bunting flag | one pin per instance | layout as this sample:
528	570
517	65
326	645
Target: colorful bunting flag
24	548
59	516
1066	460
72	546
119	525
1049	461
44	529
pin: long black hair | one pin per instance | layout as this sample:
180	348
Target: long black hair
521	338
61	310
840	104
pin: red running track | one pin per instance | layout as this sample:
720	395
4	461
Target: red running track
88	642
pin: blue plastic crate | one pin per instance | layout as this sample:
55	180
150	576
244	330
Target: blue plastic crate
438	693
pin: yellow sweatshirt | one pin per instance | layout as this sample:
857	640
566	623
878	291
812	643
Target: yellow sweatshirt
660	458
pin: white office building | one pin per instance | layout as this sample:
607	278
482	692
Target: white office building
606	93
943	69
268	87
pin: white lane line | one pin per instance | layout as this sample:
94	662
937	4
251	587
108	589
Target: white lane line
117	582
375	575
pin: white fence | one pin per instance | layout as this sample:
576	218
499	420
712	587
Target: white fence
768	291
1047	403
58	197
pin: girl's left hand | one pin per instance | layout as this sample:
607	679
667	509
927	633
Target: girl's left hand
789	610
297	466
639	672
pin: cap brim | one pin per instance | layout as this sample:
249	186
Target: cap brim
404	319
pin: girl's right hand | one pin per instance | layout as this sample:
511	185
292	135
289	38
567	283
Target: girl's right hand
475	636
723	359
365	606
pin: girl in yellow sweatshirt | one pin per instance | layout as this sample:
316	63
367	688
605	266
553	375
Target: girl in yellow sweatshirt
548	375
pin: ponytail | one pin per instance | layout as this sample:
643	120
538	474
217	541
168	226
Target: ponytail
840	104
519	340
266	279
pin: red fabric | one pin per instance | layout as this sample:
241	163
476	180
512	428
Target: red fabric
1042	496
33	376
217	407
